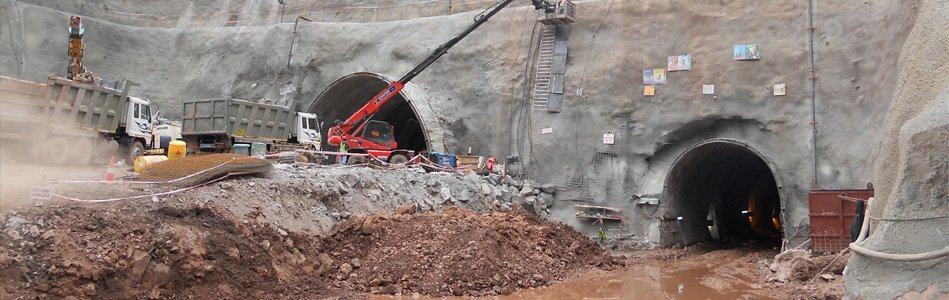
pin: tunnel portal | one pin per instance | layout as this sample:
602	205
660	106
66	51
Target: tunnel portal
348	94
722	190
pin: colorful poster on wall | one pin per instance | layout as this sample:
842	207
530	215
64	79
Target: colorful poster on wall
654	76
780	89
747	52
649	90
680	63
708	89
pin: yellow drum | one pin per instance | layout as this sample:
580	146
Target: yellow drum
177	149
143	162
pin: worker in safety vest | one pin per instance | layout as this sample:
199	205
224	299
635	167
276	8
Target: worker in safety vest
343	148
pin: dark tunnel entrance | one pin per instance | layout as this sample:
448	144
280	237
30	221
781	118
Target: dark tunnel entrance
346	95
722	190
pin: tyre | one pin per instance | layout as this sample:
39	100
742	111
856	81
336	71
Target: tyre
356	160
58	151
134	151
84	152
398	159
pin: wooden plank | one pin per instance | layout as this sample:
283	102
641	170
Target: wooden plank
611	218
613	209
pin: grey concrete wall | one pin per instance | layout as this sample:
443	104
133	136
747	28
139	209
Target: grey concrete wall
479	88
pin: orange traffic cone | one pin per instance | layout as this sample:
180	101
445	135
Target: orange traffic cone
109	173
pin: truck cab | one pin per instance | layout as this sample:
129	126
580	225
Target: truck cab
307	131
138	123
138	135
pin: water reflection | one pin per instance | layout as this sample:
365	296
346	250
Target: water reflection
641	282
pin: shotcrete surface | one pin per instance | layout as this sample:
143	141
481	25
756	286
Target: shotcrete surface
480	93
912	202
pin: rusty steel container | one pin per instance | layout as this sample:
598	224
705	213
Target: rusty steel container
831	218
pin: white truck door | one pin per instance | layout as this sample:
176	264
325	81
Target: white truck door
139	123
308	133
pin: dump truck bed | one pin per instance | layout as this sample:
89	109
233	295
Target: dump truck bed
242	120
63	105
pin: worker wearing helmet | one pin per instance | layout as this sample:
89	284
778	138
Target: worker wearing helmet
343	148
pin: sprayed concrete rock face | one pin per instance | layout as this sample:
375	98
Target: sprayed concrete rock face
481	91
910	213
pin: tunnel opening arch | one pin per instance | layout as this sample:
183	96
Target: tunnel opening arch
722	190
411	112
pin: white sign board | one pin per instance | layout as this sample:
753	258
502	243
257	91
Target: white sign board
608	139
708	89
41	193
547	130
780	89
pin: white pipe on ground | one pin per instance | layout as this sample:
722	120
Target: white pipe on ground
864	232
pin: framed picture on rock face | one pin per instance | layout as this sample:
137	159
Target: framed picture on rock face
654	76
747	52
679	63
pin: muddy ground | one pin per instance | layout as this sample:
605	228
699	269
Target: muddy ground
304	233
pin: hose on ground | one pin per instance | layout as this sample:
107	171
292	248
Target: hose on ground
864	232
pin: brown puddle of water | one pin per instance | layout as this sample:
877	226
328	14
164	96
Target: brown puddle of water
637	282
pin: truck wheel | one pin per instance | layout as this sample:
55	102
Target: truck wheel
356	160
58	151
136	150
398	159
84	151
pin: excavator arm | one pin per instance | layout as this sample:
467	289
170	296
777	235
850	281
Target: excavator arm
356	123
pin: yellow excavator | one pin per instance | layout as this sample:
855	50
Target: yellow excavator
75	70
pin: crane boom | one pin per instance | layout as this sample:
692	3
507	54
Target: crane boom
356	121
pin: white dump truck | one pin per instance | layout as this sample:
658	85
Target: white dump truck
221	124
67	122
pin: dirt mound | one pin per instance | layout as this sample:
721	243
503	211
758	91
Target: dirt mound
179	249
153	252
458	252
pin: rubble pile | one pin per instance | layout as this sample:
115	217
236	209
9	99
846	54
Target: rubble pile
311	198
458	252
261	236
800	266
151	252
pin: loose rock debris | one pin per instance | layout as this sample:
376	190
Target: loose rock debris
172	252
458	252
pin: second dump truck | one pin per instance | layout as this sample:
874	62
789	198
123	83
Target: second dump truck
218	125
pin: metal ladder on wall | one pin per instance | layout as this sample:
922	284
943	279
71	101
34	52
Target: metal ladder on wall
545	58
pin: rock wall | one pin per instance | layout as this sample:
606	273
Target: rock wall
912	173
480	89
